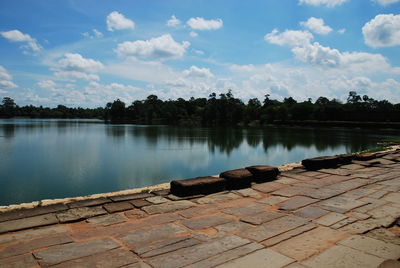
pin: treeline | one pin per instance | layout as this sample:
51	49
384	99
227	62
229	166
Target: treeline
226	110
9	109
222	110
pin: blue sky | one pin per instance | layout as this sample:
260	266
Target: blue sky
87	53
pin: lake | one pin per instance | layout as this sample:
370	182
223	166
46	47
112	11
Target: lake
45	159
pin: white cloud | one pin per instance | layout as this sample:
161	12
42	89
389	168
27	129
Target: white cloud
95	34
342	31
47	84
17	36
382	31
72	75
75	62
193	34
328	3
117	21
198	52
199	23
316	25
318	55
6	79
161	48
289	37
173	21
195	71
387	2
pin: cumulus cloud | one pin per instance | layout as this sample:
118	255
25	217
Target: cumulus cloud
289	37
72	75
17	36
6	79
328	3
195	71
47	84
75	62
387	2
316	25
382	31
201	24
173	21
117	21
94	34
160	48
318	55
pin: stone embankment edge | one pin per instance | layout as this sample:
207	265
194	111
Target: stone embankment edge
157	187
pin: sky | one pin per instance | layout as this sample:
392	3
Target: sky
87	53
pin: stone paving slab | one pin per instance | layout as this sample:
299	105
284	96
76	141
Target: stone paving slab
343	257
259	258
26	223
111	259
21	261
26	246
197	253
343	217
61	253
307	244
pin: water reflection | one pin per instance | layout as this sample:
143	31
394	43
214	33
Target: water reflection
42	159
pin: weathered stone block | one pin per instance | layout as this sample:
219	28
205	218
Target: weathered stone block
263	173
321	162
199	185
26	223
237	178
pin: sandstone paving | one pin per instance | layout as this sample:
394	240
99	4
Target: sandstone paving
111	259
26	246
26	223
343	257
206	221
190	255
307	244
261	258
372	246
22	261
61	253
343	217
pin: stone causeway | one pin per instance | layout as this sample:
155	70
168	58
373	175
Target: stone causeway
338	215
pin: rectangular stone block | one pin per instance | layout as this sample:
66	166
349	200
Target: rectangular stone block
237	178
227	256
89	202
111	259
206	221
168	207
287	235
372	246
268	187
343	257
117	207
296	203
106	220
26	246
191	255
261	258
263	173
273	228
80	213
25	213
22	261
119	198
33	233
262	217
148	235
307	244
61	253
26	223
331	218
196	186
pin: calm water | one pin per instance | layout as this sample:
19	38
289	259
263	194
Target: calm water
41	159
